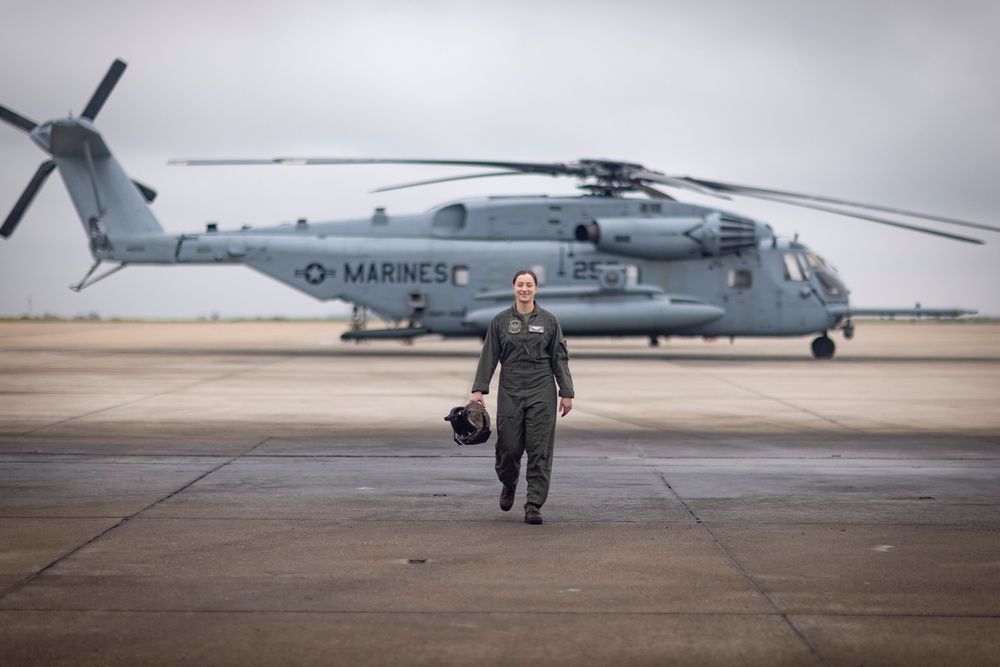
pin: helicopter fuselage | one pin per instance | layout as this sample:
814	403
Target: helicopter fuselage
607	266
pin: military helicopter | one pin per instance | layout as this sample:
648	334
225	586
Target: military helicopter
608	264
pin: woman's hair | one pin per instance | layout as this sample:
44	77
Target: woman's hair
525	272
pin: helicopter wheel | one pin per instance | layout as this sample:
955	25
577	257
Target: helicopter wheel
654	341
823	347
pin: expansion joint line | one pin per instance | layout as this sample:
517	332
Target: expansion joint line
785	403
175	390
732	559
34	575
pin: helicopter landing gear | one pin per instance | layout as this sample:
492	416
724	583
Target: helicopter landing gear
654	341
823	347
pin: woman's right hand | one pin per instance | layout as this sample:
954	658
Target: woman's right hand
477	397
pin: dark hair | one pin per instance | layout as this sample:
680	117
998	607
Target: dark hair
525	272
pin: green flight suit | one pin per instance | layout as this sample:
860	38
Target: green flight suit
531	351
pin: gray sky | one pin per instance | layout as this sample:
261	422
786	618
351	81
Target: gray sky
891	102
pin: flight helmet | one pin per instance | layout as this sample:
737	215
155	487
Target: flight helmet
471	424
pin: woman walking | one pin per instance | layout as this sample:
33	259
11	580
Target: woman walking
528	343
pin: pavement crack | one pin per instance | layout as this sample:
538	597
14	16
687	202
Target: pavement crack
125	520
146	397
735	563
783	402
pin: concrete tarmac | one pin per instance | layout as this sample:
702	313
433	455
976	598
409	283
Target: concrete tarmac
263	494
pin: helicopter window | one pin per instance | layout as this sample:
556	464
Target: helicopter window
741	278
804	265
793	271
817	262
460	276
831	283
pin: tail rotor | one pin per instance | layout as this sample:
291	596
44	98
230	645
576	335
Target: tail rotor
103	91
94	106
26	198
17	120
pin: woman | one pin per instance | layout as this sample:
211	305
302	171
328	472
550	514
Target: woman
528	343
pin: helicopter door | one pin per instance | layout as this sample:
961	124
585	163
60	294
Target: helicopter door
739	294
798	307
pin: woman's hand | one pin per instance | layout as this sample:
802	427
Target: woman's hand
565	405
477	397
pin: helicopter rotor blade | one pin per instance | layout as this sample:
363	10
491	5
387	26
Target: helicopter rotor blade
617	177
781	195
148	193
10	224
104	89
226	163
17	120
652	192
448	179
863	216
523	167
677	182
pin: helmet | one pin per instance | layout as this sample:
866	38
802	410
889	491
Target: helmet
471	424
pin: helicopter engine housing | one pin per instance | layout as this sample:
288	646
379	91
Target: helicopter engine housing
672	238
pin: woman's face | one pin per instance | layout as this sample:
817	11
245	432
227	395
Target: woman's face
524	289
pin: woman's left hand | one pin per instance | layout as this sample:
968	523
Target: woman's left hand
565	405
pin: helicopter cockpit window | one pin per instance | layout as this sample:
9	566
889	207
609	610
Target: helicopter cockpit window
460	276
831	284
804	265
740	278
793	271
815	261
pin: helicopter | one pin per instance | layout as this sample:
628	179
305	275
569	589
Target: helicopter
609	263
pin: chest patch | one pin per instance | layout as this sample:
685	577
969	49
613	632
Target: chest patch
514	327
536	328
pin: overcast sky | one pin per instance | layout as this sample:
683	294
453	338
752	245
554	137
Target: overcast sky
892	102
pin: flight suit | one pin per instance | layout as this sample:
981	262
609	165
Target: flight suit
531	352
